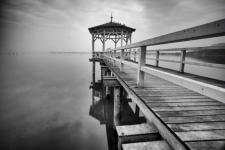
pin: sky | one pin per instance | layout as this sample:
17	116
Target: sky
62	25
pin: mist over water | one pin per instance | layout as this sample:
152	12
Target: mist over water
44	104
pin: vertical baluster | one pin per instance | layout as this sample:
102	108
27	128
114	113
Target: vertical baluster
157	59
121	59
182	60
135	55
114	55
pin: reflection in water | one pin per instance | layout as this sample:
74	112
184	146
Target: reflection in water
102	109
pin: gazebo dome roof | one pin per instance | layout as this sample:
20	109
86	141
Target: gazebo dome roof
113	25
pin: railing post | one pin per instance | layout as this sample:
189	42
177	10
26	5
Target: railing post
114	55
182	60
121	59
157	59
141	62
135	55
129	54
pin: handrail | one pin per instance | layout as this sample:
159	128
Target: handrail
213	29
190	48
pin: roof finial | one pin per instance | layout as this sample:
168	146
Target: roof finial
111	17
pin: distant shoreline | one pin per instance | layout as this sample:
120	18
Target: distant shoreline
18	53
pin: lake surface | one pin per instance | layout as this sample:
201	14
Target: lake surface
45	101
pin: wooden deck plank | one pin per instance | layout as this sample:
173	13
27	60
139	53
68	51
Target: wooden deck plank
207	145
136	133
184	104
135	129
153	145
173	98
190	113
201	135
178	100
165	93
187	108
197	126
211	118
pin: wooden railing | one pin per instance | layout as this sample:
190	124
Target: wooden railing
139	49
213	29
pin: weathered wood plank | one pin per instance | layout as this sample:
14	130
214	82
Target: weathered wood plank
194	119
136	129
159	89
162	90
207	145
197	126
184	104
153	145
152	93
173	98
178	100
190	113
111	82
168	94
136	133
187	108
201	135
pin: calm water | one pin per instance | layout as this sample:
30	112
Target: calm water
44	103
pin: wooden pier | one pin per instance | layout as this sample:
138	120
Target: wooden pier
183	111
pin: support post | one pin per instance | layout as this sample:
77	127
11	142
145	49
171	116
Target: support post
122	38
182	60
130	38
141	62
103	41
121	59
137	111
157	59
114	55
93	72
107	91
93	45
117	105
93	64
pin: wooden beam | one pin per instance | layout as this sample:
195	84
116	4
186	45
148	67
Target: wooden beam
111	82
153	145
136	133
